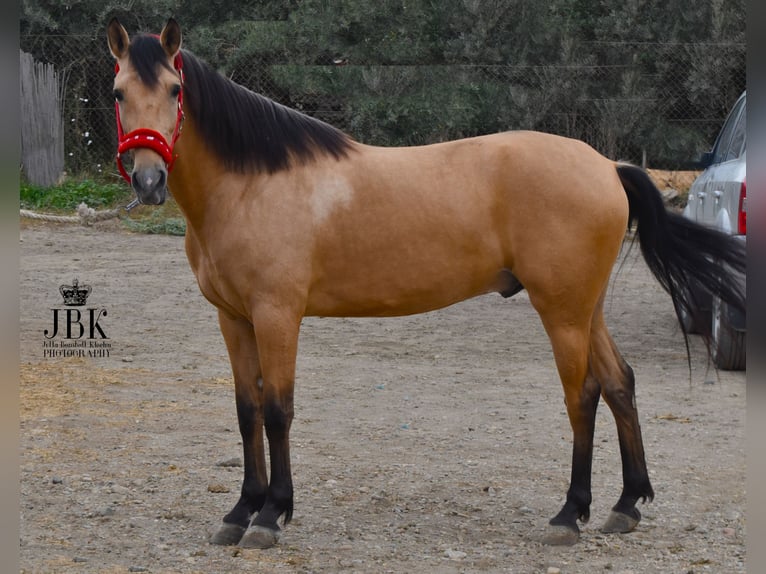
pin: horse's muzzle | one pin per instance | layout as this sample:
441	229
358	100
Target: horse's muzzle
149	183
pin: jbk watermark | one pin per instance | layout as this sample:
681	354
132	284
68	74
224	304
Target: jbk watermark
77	330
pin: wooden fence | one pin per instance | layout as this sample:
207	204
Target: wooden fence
42	126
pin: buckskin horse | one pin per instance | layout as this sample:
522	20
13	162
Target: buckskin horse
290	217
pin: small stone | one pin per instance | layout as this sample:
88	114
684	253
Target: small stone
106	511
553	570
118	489
231	462
218	488
79	560
729	532
138	569
454	554
127	359
57	480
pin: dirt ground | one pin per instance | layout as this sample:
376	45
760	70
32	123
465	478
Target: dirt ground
432	443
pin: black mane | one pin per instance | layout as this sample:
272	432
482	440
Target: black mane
247	131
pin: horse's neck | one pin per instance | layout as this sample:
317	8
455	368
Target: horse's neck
191	181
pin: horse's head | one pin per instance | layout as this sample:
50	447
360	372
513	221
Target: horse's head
148	92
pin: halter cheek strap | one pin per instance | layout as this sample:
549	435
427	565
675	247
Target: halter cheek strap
148	138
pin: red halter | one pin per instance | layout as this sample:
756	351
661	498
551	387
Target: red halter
148	138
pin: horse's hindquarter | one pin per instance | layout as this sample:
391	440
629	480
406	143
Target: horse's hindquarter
565	210
419	228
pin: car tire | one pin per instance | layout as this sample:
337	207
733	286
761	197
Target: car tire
689	323
728	344
696	322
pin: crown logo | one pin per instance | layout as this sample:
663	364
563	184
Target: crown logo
75	294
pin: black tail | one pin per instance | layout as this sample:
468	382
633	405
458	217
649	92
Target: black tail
682	254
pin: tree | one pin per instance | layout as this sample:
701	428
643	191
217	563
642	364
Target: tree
626	77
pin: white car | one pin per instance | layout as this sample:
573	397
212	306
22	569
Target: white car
718	198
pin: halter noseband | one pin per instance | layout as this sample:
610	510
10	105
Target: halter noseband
148	138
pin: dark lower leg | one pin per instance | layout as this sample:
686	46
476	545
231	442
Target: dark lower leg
278	500
255	481
582	415
243	354
577	505
636	486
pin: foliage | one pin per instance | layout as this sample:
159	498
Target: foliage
157	222
88	18
66	196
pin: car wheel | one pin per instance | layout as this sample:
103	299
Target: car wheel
728	344
698	320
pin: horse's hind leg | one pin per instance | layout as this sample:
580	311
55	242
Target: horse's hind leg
570	341
618	389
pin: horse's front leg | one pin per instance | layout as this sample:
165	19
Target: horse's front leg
277	334
239	336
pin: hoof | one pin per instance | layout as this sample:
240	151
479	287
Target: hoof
558	535
227	534
260	537
621	523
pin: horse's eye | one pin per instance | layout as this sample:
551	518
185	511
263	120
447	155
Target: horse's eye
118	95
175	90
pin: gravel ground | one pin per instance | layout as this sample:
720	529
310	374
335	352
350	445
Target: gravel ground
437	442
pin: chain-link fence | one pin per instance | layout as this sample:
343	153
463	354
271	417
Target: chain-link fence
654	104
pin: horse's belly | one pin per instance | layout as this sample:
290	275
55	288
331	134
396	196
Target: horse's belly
341	305
402	290
411	254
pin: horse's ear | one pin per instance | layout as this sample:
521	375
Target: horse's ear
170	38
117	38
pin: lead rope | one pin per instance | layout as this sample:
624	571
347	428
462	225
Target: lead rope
85	215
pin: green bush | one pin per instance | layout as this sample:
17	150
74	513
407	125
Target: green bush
66	196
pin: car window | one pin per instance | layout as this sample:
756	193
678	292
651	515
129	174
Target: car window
737	145
724	139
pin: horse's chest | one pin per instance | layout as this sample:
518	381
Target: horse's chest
210	288
211	283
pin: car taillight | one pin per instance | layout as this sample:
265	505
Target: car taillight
742	212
